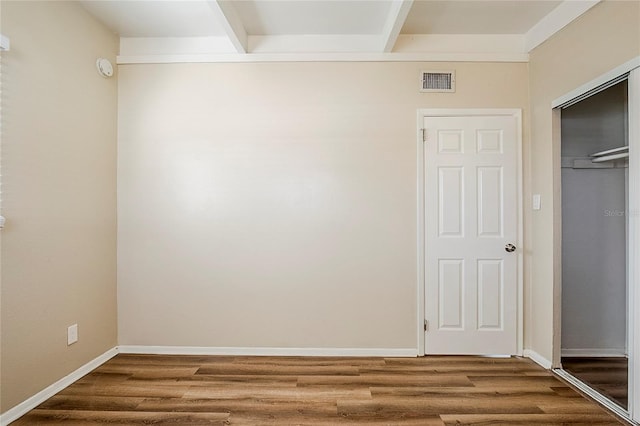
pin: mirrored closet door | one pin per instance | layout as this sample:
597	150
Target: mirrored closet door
595	212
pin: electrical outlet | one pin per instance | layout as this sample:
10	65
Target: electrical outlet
72	334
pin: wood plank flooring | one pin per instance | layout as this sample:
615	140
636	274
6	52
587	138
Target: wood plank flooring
609	376
224	390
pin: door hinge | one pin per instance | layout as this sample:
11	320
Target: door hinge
424	135
426	325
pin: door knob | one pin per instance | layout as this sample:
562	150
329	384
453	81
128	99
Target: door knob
510	248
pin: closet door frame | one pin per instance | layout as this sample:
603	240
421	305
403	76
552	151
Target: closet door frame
634	244
632	70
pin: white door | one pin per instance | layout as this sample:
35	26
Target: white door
470	223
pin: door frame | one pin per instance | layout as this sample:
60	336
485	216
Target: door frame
631	67
420	224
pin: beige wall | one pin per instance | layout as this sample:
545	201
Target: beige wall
58	194
274	204
260	205
606	36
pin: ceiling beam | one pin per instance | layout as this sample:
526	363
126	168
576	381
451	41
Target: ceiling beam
322	57
397	15
557	19
231	23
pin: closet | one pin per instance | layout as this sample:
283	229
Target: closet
595	229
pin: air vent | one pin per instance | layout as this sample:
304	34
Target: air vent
438	81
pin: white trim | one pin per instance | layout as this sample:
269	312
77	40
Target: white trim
242	351
474	112
323	47
398	13
596	396
634	244
420	240
593	353
313	43
466	45
595	91
537	358
37	399
460	43
134	46
5	43
556	148
597	82
559	18
462	112
322	57
520	237
232	24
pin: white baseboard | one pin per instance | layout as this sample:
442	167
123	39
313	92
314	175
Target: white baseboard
591	352
537	358
240	351
37	399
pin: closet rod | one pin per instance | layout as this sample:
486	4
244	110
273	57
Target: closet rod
610	157
611	151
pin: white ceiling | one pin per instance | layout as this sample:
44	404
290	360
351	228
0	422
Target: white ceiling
476	17
312	17
150	29
156	18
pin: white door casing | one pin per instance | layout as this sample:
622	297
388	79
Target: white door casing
471	213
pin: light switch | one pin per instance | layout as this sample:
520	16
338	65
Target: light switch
536	201
72	334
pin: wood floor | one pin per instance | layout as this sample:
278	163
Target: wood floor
609	376
194	390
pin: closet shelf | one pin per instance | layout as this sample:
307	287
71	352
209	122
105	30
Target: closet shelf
589	163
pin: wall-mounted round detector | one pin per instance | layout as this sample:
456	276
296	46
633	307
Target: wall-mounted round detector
105	68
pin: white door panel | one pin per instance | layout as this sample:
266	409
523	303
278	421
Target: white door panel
470	216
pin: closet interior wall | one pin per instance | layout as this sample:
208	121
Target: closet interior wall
594	226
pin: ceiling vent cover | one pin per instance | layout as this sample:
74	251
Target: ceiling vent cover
438	81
